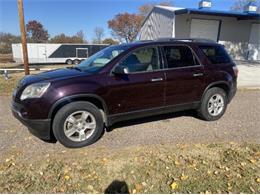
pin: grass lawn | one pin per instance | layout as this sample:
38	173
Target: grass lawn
215	168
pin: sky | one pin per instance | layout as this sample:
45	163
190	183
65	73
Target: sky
70	16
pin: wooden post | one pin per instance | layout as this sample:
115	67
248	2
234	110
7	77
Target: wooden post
23	37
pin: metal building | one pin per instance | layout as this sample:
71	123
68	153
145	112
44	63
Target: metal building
238	31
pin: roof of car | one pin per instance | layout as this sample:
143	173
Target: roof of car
172	40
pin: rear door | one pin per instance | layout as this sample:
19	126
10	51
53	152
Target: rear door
184	75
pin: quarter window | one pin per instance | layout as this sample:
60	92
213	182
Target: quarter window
142	60
216	54
179	56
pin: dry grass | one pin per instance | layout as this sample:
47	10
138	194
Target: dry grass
220	168
6	58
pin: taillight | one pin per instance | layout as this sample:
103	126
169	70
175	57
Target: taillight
235	70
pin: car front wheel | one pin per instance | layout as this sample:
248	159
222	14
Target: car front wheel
78	124
213	105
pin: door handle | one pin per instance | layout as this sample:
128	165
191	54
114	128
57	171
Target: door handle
198	74
156	79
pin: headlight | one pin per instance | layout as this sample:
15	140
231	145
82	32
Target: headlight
35	90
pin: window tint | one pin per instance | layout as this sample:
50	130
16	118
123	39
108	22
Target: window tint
141	60
179	56
216	54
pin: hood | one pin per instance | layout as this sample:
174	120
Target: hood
53	75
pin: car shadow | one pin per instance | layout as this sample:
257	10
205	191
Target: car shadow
117	187
162	117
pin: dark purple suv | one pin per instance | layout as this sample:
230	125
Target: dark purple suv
73	105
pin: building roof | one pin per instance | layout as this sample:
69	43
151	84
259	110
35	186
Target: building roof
235	14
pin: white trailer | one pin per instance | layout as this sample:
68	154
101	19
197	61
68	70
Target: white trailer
55	53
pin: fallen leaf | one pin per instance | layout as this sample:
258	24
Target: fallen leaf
177	163
66	177
253	161
243	164
90	187
174	186
227	169
184	177
144	184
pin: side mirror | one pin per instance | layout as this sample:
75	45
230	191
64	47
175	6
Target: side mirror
120	70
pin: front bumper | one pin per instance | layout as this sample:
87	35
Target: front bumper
40	128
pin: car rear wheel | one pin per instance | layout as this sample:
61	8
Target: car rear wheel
78	124
213	105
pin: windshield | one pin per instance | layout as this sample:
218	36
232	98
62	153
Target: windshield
101	58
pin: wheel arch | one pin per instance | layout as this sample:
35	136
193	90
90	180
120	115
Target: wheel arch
220	84
94	99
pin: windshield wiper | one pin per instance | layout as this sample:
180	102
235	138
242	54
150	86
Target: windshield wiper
74	67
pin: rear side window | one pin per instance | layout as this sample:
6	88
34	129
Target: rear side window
179	56
216	54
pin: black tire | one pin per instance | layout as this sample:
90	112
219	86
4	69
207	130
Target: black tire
203	110
69	62
64	112
77	61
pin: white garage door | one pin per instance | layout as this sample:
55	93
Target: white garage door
254	43
206	29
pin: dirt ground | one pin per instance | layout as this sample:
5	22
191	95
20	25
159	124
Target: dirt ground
240	124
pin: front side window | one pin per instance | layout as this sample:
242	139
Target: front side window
101	58
179	56
142	60
216	54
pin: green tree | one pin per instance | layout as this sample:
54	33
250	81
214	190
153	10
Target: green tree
62	38
110	41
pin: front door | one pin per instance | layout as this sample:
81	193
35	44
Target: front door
184	75
142	88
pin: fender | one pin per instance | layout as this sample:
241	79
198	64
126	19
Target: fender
216	83
69	98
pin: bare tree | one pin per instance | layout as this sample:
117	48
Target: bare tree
81	35
99	34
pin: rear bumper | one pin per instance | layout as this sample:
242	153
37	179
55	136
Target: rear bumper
232	92
39	128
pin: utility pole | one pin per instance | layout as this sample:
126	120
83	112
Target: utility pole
23	37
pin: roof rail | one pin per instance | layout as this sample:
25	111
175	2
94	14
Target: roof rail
187	40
